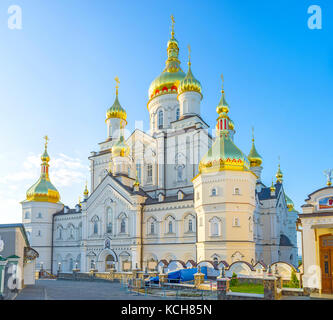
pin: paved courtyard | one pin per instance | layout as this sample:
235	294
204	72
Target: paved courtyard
77	290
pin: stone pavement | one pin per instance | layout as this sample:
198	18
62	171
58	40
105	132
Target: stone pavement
78	290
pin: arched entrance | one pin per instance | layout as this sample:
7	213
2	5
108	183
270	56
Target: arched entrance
109	262
326	263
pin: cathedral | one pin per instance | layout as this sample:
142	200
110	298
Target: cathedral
173	193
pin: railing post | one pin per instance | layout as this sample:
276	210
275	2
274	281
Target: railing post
222	285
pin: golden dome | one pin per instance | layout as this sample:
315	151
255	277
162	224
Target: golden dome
120	148
279	175
116	110
43	190
231	125
272	188
254	157
189	83
86	191
168	81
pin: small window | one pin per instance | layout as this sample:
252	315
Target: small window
160	119
237	191
152	227
138	170
123	226
180	174
39	233
215	229
177	114
236	222
149	173
213	192
170	227
39	215
190	225
27	215
95	227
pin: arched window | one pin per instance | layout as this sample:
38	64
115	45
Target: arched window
177	114
123	225
215	261
152	227
160	119
27	215
59	233
190	225
170	227
215	229
95	227
215	226
39	216
214	192
138	171
109	221
71	264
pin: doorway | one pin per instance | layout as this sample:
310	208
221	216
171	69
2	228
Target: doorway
109	262
326	263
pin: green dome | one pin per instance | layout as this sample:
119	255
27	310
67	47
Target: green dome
116	111
290	203
223	155
254	157
43	191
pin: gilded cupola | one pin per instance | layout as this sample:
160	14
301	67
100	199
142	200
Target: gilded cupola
43	190
254	157
120	148
224	154
189	83
279	175
116	110
168	81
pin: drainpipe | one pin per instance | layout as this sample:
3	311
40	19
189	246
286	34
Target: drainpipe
141	236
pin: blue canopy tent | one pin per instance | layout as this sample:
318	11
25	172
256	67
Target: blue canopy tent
181	275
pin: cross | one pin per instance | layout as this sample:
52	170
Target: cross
173	25
117	84
252	134
328	173
222	81
189	54
46	140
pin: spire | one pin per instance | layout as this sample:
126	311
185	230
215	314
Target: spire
254	157
116	110
189	83
43	190
172	64
272	188
86	192
223	121
279	174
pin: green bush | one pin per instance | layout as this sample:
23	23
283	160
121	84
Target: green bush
294	282
234	280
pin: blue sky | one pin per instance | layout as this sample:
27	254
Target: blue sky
57	78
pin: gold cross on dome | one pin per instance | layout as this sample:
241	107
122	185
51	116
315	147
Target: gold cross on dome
172	26
117	84
189	53
222	81
46	140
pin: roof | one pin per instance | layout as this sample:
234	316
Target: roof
309	196
21	227
170	199
265	193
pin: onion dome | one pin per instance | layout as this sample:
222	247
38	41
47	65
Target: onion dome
189	83
290	203
272	188
168	81
120	148
43	190
254	157
116	110
224	154
279	175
